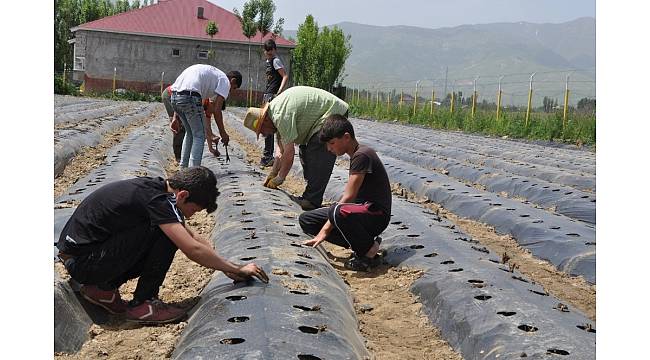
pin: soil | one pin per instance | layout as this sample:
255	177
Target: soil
390	317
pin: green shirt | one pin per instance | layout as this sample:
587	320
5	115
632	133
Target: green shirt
299	112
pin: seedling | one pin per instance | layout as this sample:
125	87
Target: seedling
504	257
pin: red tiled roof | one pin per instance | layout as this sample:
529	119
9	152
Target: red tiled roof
178	18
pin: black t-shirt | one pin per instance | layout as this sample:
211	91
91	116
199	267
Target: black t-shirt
273	77
121	206
376	186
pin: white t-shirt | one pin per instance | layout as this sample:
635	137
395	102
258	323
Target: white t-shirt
207	80
277	63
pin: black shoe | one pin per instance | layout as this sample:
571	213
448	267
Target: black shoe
358	263
266	162
305	204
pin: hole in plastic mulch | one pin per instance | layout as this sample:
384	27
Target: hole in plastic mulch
456	270
301	262
296	245
310	329
297	292
527	328
447	262
416	247
474	281
293	235
524	215
520	279
246	221
307	308
586	328
254	247
431	255
306	256
232	341
506	313
236	297
413	235
302	276
308	357
238	319
557	351
482	297
248	228
248	258
573	234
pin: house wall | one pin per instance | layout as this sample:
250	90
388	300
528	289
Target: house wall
140	60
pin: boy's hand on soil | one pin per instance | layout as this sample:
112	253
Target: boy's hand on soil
175	125
252	269
225	139
313	242
274	183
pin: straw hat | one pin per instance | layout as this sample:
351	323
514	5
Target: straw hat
255	117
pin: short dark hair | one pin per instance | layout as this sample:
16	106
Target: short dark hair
201	183
236	75
335	126
269	45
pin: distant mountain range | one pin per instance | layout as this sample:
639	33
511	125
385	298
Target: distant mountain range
394	57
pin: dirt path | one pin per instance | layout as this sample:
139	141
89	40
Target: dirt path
572	291
390	316
183	283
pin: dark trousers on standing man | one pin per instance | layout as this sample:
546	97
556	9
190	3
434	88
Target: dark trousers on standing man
269	143
355	225
146	253
317	165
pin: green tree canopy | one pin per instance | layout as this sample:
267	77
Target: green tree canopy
319	57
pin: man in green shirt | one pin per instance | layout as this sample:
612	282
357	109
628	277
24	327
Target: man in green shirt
297	115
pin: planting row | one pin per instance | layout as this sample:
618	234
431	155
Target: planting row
467	292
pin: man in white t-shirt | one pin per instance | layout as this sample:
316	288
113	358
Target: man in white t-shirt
194	84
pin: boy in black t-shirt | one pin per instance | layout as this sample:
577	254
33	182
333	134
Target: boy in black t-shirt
132	228
363	211
276	81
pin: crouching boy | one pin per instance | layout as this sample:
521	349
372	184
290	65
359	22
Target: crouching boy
132	228
363	212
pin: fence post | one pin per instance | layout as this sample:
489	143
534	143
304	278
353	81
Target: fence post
401	99
368	97
566	102
64	65
114	75
530	98
433	97
388	103
499	98
415	100
451	104
377	102
162	77
474	98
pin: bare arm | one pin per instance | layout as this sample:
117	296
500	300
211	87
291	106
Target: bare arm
286	159
285	79
205	255
218	119
349	195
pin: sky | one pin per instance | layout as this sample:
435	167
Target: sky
425	13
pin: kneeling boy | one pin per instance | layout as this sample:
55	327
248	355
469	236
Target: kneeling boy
363	212
132	228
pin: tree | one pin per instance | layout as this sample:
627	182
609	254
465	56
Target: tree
211	29
247	21
587	105
135	4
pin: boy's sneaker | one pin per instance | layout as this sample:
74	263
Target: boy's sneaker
154	312
358	263
267	162
305	204
107	299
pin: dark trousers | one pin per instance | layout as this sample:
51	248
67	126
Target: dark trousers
268	147
268	140
146	253
355	225
178	142
317	165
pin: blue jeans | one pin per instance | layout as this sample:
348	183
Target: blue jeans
190	111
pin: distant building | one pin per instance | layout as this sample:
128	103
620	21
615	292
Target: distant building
141	44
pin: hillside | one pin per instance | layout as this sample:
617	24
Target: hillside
396	56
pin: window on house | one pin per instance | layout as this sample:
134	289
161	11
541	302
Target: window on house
79	63
202	54
176	52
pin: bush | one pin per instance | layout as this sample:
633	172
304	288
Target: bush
66	88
